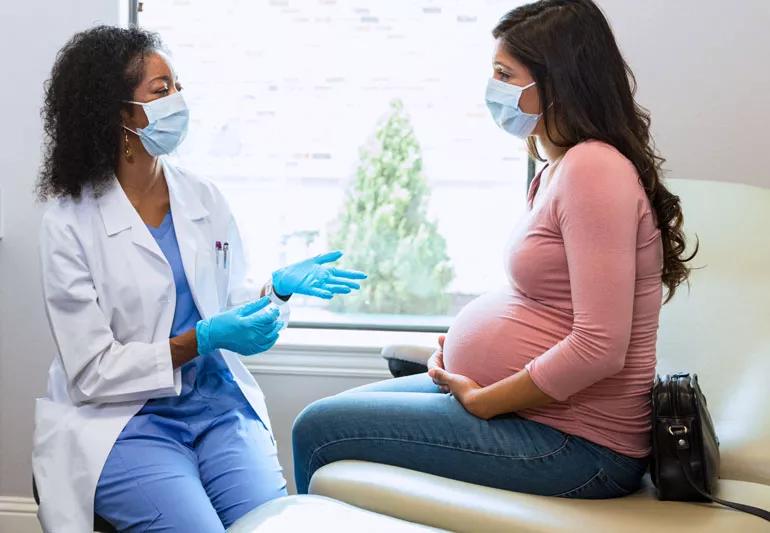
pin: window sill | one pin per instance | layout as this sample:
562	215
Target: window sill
333	353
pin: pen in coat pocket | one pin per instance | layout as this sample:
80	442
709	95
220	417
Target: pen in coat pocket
217	250
225	248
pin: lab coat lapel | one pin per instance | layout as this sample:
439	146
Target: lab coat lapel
188	213
118	215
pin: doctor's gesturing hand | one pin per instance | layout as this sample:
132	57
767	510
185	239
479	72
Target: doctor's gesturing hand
312	278
250	329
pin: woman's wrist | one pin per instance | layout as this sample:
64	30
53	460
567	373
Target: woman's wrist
510	395
269	290
184	347
480	402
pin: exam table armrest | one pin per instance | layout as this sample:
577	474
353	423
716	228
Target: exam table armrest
407	359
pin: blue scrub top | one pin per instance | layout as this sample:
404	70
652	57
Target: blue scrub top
206	375
185	313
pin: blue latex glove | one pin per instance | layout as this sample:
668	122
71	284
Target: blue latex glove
247	330
312	278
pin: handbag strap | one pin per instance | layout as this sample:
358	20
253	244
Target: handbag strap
683	454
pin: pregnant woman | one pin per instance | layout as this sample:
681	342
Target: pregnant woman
543	387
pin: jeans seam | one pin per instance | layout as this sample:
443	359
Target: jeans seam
412	441
613	456
597	475
606	479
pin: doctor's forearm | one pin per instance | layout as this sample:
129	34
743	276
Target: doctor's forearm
184	348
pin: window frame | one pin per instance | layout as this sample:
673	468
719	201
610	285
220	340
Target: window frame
135	7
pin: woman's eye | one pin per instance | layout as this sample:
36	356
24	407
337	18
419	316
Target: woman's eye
501	74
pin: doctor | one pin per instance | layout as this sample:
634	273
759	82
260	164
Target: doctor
151	420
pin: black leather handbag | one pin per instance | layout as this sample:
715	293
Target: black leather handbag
685	447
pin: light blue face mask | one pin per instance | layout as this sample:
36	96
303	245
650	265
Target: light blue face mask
503	102
167	127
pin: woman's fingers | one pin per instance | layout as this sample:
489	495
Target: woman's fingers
320	293
436	360
266	318
277	328
442	378
267	331
440	351
350	274
439	376
337	289
438	379
252	307
328	257
341	281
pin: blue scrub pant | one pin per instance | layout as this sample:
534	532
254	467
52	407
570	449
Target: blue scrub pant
197	462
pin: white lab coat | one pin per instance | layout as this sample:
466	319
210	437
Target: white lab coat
110	296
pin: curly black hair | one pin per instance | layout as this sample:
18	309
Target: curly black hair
92	74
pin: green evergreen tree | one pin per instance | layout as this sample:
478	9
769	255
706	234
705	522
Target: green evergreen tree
385	231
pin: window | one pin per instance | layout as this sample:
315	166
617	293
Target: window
360	125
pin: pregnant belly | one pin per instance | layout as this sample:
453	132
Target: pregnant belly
496	334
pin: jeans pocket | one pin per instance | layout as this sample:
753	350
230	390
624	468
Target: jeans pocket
599	486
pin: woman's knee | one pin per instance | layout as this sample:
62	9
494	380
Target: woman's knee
312	418
316	425
307	414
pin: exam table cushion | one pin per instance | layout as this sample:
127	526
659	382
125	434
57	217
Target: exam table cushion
459	506
319	515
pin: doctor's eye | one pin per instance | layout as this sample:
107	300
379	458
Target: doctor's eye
178	86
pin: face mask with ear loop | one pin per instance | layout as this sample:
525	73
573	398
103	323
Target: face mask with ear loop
503	102
168	118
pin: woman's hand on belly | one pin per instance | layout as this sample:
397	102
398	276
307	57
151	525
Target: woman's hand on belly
437	360
512	394
463	388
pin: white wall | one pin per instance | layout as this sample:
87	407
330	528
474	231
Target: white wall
701	67
31	32
702	71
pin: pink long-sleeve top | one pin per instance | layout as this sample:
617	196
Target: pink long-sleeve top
582	307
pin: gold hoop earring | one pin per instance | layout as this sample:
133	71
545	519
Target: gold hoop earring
127	151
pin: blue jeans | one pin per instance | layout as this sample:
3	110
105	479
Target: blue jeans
408	422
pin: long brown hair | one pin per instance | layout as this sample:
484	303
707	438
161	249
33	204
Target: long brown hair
571	53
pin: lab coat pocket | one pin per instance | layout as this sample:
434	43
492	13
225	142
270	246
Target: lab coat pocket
212	282
50	416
